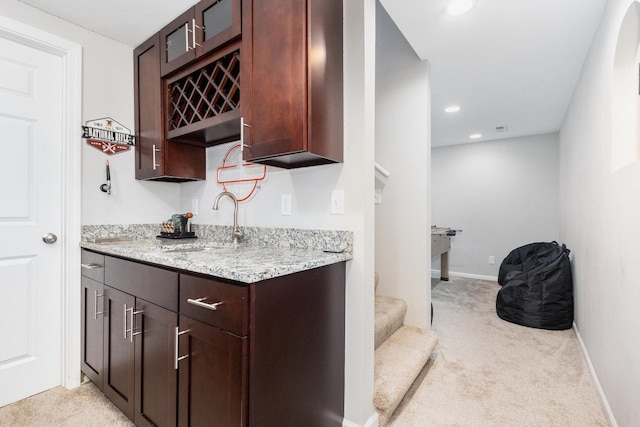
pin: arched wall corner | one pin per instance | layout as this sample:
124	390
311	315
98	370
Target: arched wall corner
625	137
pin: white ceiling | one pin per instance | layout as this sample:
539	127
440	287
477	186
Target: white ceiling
507	62
128	21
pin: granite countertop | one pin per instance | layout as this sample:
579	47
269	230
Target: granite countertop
246	262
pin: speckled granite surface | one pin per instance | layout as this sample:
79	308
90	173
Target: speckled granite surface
266	253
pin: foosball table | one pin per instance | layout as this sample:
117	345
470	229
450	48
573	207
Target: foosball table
441	245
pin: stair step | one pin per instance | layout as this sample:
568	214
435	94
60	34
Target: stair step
398	361
389	317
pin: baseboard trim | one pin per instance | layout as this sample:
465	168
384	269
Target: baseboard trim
435	274
594	376
371	422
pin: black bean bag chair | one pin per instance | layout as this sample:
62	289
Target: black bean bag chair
540	296
526	257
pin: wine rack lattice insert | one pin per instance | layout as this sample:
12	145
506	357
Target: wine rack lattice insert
208	92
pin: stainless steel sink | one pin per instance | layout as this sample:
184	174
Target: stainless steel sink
195	247
185	250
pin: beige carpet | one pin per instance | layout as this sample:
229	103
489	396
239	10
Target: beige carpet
84	406
488	372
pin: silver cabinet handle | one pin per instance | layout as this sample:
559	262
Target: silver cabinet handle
90	266
242	144
193	33
186	37
199	302
176	354
130	330
153	160
96	295
124	322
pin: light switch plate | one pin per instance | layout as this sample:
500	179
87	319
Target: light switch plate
337	202
285	204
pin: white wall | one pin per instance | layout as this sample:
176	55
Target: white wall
599	216
310	190
107	92
502	194
403	140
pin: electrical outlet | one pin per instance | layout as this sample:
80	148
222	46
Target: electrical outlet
492	259
285	204
337	202
377	198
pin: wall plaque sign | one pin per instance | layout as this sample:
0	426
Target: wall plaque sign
108	136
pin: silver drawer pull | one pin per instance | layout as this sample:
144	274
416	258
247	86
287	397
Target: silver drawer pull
199	302
90	266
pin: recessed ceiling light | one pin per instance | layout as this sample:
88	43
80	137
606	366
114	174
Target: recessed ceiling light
475	136
452	109
459	7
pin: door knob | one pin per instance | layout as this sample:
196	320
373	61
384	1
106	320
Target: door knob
49	238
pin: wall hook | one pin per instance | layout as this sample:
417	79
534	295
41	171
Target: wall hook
106	188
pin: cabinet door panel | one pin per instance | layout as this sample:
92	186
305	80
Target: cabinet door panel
212	379
92	330
156	377
157	158
218	22
276	105
148	109
118	381
176	43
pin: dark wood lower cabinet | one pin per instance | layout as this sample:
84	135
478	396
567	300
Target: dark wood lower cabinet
283	364
212	376
139	374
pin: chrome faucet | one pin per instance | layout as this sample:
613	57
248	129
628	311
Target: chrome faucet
236	233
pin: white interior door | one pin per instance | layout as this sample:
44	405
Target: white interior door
30	207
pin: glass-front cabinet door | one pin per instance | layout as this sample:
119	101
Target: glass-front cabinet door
177	43
220	22
201	29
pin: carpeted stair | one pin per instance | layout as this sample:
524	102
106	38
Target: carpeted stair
401	353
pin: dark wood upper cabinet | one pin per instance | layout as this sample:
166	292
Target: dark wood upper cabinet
275	65
201	29
156	157
292	93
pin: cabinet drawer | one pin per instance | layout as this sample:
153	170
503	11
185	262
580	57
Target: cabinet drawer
229	316
156	285
92	266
